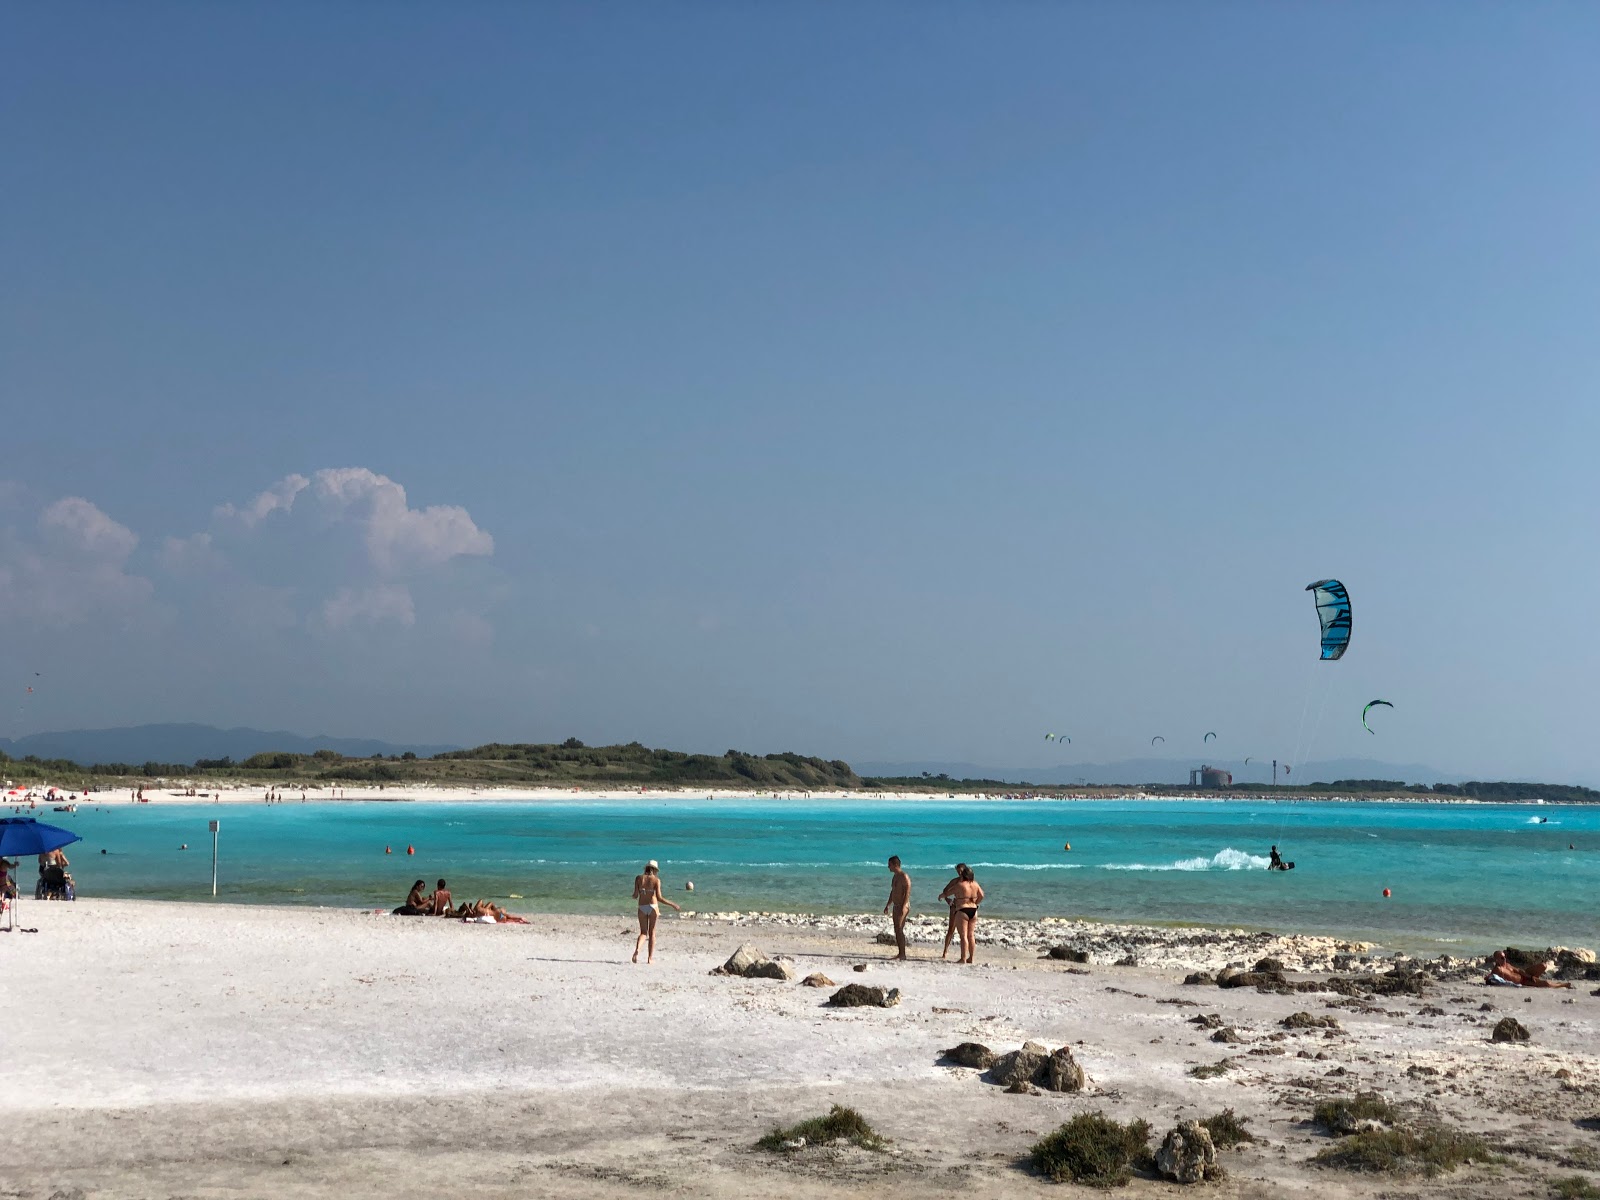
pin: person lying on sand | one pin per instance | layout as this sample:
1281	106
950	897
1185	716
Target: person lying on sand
479	909
1502	972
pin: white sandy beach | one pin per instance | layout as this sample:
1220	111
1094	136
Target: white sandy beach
159	1049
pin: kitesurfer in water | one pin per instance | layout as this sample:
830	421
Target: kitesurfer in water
1277	863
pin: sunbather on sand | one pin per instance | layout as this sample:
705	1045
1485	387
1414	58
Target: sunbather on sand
1501	971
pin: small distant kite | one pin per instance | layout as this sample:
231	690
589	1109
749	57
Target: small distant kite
1207	737
1049	737
1247	762
1333	610
1157	738
1370	706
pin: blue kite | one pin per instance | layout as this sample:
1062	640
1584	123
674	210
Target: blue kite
1333	610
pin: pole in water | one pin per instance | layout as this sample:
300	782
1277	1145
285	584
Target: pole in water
214	826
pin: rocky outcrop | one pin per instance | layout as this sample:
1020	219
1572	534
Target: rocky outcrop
1062	1073
1227	1034
1208	1021
817	979
1509	1029
861	995
1021	1064
1054	1070
1305	1020
1188	1155
1067	954
1199	977
970	1054
748	962
1230	978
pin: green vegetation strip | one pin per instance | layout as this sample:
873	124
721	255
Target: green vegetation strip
840	1122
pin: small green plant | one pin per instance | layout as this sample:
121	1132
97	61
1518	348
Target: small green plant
1345	1114
1209	1070
1226	1130
1405	1151
1575	1187
840	1122
1093	1149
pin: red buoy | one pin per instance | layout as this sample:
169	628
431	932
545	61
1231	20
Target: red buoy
411	849
1385	893
388	850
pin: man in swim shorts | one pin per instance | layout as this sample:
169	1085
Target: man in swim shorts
900	903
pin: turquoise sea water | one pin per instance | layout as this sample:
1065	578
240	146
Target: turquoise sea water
1462	876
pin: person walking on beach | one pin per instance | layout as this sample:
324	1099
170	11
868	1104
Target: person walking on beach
647	893
900	903
948	896
964	901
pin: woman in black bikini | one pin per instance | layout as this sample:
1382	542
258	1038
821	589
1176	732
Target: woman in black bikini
965	896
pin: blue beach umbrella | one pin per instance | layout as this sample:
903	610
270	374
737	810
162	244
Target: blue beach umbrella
24	835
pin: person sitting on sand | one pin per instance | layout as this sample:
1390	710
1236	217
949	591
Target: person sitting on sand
647	894
439	904
8	881
416	904
1502	972
948	896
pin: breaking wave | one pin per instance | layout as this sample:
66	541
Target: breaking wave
1228	859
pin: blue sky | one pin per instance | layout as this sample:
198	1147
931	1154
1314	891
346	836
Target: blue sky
876	381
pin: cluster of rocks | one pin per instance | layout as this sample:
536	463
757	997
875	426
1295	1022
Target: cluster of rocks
1131	945
1027	1070
748	962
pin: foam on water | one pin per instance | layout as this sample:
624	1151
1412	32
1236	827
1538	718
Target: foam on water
1227	859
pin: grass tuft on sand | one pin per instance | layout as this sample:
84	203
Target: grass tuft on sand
1226	1130
1345	1114
1405	1151
1093	1149
840	1122
1575	1187
1209	1070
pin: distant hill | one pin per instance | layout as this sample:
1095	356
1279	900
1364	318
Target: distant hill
187	743
1174	772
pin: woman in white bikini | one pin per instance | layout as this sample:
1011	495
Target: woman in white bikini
647	894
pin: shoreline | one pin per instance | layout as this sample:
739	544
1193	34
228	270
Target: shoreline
211	792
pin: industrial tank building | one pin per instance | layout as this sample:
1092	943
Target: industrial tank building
1211	777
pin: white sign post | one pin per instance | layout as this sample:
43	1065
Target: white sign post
214	825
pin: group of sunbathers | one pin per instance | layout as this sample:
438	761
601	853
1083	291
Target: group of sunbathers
421	903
